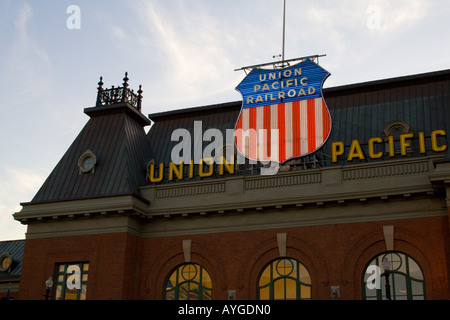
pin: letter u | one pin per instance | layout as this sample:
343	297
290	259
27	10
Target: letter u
152	173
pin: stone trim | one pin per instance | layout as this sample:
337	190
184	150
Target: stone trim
396	194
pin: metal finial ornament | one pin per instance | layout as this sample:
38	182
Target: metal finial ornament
99	92
139	102
125	80
100	84
120	94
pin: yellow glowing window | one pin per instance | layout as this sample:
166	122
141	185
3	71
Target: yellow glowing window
284	279
5	263
71	281
188	282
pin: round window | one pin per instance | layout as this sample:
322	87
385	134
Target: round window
86	162
5	262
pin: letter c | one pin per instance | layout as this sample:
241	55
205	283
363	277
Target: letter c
434	144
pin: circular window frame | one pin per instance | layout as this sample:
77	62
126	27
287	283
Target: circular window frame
279	268
88	154
4	256
183	273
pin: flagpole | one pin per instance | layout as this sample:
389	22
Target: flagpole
9	291
284	32
283	61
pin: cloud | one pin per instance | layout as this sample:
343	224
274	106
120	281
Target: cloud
399	16
24	44
194	50
191	48
350	23
27	61
16	185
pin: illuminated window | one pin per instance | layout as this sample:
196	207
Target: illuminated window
71	281
5	261
406	279
188	282
284	279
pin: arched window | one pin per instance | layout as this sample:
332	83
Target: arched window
405	278
395	129
188	282
284	279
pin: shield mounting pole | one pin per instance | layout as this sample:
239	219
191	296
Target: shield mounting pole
284	33
313	58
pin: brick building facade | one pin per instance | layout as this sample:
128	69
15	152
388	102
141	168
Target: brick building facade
309	232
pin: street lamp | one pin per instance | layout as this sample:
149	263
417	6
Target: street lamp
48	287
387	267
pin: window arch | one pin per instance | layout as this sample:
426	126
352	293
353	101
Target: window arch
395	129
188	281
405	278
284	279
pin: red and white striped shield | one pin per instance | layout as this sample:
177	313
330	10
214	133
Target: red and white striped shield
283	115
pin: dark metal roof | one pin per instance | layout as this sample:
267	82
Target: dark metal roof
368	86
15	249
362	111
220	117
218	107
391	82
359	111
117	138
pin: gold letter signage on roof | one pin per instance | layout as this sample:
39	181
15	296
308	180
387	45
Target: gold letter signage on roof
377	148
355	151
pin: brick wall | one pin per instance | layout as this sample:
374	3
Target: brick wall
123	266
335	255
106	256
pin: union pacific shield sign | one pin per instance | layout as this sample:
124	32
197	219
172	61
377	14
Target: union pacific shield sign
283	114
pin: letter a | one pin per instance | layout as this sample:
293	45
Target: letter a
74	20
373	281
74	280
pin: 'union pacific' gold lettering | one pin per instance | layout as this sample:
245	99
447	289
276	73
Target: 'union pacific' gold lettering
437	139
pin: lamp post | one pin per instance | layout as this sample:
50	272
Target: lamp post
48	287
387	268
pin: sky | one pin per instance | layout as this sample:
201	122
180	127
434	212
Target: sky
184	53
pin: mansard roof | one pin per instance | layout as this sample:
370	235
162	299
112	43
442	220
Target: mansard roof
115	135
14	250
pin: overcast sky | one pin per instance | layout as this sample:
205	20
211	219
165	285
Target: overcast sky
184	54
